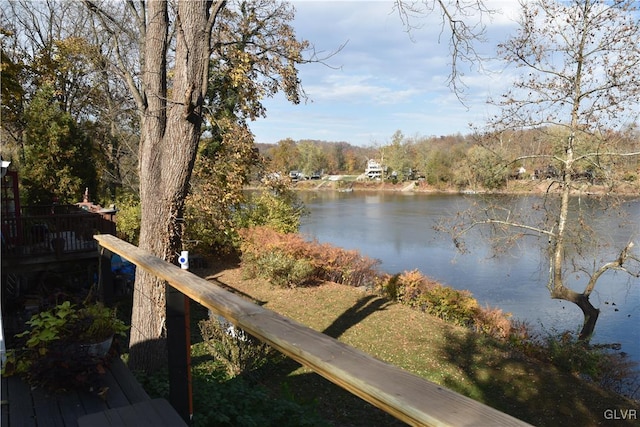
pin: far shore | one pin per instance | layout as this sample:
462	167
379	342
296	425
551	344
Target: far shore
348	183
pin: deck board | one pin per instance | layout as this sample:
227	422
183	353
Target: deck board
47	412
150	413
23	406
71	409
20	405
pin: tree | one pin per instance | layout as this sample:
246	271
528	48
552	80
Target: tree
12	104
462	20
396	156
285	156
163	50
58	156
312	158
168	81
53	44
579	86
254	61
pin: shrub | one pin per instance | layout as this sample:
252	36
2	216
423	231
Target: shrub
339	265
280	210
450	304
494	322
610	370
128	218
281	269
289	260
459	307
236	350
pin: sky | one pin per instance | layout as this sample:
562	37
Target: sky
384	79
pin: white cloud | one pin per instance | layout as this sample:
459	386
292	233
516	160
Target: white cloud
382	80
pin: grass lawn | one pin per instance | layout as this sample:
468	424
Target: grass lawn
454	357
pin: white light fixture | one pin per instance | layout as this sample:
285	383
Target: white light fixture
5	166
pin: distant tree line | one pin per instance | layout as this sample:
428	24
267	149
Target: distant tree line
453	161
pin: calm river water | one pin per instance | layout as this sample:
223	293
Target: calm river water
397	229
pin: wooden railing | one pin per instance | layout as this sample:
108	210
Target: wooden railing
407	397
52	230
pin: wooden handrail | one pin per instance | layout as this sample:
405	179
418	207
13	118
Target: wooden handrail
407	397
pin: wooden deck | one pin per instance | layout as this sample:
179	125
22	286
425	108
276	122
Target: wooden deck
124	403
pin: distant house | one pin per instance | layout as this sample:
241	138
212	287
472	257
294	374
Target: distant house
374	169
296	175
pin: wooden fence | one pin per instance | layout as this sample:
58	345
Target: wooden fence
407	397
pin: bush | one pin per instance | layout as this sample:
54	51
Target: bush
494	322
280	269
128	218
289	260
280	210
459	307
450	304
236	350
610	370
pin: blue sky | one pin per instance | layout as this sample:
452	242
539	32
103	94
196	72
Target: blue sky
384	79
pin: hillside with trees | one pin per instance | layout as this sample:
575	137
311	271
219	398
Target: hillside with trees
459	162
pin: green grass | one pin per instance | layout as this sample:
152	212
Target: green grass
284	393
471	364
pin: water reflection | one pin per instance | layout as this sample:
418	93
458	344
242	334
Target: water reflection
398	229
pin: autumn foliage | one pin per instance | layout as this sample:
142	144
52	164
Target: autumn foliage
290	260
457	306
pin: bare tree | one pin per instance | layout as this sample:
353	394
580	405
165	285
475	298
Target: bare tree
462	23
580	87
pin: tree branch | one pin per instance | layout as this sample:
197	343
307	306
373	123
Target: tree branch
617	264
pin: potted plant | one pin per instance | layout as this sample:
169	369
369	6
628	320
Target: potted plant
66	345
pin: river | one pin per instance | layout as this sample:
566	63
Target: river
398	229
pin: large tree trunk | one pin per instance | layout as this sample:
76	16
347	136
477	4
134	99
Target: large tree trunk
171	127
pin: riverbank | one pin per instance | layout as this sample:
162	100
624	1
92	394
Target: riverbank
348	183
456	358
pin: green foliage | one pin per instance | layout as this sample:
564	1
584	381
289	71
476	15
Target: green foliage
280	268
458	307
280	211
128	218
449	304
48	326
98	322
285	156
312	158
218	207
52	354
488	169
220	400
610	370
11	97
66	322
155	383
221	172
288	259
238	403
58	156
237	351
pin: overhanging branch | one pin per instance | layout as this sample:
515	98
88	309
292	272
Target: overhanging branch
617	264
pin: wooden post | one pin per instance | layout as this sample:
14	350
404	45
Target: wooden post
178	347
105	276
